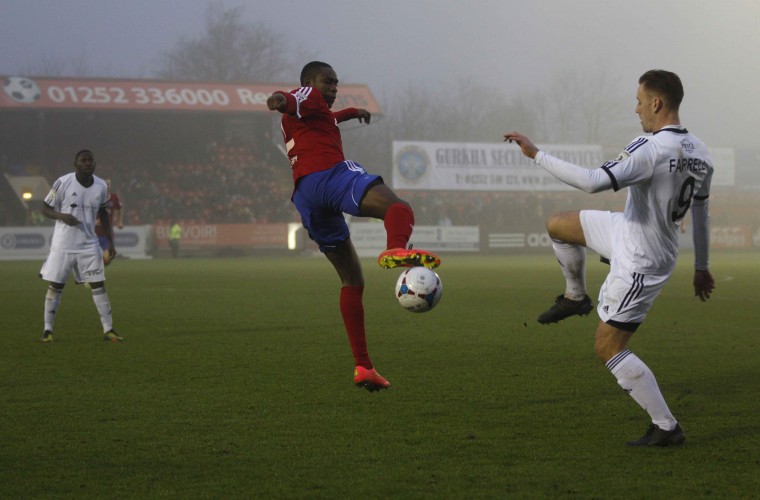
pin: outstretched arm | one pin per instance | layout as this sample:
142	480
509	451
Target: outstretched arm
526	145
350	113
363	115
585	179
277	102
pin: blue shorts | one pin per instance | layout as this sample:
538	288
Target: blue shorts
103	241
323	197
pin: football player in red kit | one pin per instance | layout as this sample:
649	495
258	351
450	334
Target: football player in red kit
327	186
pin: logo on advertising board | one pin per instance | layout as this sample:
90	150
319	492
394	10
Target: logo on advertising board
125	239
22	241
20	89
412	164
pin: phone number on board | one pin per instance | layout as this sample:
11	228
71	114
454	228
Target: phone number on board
150	96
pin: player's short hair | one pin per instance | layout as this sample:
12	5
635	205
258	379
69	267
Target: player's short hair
311	70
665	84
80	153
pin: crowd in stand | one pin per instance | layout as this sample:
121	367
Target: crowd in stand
233	185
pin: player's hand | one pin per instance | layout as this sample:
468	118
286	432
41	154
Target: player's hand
704	284
277	102
363	115
68	219
526	146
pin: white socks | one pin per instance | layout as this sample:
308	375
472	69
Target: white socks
52	301
100	297
638	381
572	258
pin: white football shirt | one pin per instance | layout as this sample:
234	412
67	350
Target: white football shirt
68	196
663	172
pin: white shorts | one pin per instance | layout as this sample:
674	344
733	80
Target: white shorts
626	296
88	267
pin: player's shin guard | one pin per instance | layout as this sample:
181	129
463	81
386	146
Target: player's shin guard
352	310
399	223
100	297
52	301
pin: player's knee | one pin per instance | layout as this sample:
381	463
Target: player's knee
565	226
606	349
401	209
402	205
602	352
554	225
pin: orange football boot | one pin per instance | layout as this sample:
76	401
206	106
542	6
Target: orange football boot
369	379
402	257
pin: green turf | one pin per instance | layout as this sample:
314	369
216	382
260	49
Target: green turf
235	382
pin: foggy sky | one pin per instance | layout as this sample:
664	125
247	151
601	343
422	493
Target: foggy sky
514	45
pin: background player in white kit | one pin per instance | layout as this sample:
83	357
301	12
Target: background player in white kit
666	173
76	202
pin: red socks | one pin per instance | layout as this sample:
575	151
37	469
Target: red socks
352	310
399	223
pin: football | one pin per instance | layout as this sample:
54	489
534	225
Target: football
21	89
418	289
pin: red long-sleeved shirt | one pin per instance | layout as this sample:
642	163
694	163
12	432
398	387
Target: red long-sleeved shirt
310	131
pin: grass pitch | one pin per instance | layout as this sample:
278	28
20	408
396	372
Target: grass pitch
235	382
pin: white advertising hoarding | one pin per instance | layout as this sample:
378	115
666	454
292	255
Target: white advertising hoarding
452	166
33	243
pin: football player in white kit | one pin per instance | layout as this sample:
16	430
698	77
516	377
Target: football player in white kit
666	173
76	201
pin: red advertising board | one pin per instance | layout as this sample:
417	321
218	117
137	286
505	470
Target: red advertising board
112	94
